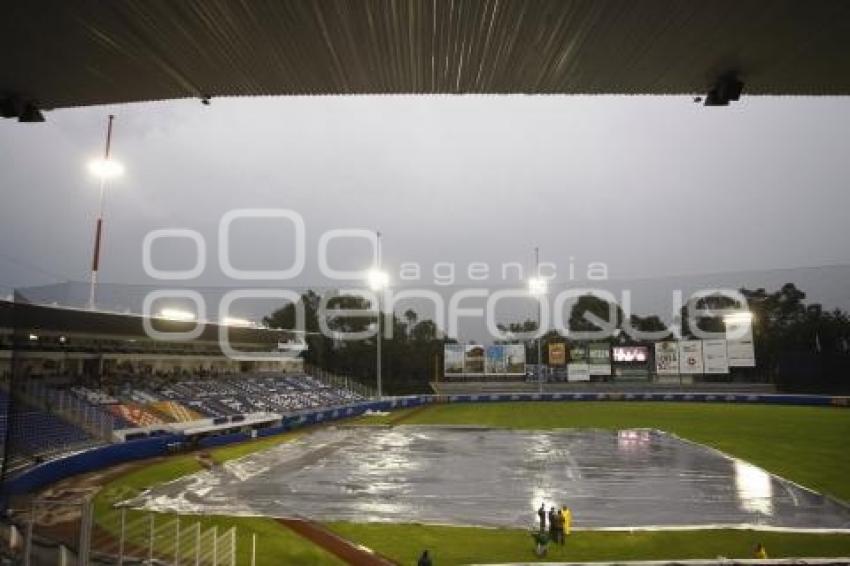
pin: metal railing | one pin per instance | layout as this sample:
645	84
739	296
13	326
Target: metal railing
122	536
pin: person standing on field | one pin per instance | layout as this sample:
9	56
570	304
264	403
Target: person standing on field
541	513
553	519
567	520
559	528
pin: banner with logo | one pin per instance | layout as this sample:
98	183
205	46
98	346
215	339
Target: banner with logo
495	362
666	358
599	358
557	354
453	359
578	353
473	360
690	356
714	356
515	359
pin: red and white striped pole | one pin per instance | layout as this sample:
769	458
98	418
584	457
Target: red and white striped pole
98	233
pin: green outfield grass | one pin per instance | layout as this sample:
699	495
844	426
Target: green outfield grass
803	444
468	545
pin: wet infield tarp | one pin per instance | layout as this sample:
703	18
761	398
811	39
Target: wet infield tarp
497	477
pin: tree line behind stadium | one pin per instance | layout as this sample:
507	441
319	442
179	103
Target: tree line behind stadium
799	345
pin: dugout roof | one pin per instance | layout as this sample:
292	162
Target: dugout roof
74	52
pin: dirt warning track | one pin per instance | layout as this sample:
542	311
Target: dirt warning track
341	548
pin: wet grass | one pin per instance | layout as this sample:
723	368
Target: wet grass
275	543
807	445
467	545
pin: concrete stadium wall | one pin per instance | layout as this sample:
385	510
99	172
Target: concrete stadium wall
105	456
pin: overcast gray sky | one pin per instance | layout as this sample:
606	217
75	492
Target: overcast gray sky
651	186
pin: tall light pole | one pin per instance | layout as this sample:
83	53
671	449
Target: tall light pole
104	169
378	280
537	287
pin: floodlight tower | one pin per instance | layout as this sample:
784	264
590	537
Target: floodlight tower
537	287
378	280
104	169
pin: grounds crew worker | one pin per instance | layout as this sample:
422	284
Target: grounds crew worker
542	514
567	518
553	526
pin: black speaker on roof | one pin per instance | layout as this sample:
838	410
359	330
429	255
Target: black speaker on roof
31	113
727	88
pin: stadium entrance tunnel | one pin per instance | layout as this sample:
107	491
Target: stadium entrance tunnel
498	478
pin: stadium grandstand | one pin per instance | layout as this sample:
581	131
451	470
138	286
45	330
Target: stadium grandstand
75	379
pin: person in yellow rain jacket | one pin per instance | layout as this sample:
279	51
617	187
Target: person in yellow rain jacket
567	519
760	552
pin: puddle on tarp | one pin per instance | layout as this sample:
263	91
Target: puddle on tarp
498	477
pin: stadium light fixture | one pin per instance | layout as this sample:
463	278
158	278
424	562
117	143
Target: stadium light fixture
377	279
538	286
106	169
738	317
233	321
177	314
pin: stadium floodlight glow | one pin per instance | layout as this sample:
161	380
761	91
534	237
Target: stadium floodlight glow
377	279
177	314
233	321
738	317
106	168
538	286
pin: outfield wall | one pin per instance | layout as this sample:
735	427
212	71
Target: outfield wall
94	459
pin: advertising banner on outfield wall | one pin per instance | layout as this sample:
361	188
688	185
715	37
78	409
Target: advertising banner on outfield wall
690	356
578	371
599	358
740	352
515	359
557	354
667	358
714	356
473	359
453	359
495	362
578	353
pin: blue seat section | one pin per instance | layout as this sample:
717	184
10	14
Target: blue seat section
35	434
247	393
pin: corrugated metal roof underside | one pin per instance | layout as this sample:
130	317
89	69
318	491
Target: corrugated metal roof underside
75	52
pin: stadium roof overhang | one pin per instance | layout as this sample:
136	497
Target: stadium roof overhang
76	53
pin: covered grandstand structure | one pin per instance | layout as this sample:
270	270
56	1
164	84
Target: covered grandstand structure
64	54
44	340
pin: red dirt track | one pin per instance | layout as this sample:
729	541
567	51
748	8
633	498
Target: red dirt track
336	545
